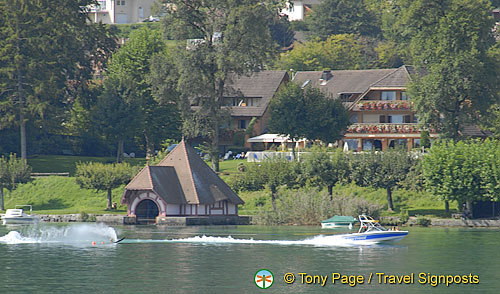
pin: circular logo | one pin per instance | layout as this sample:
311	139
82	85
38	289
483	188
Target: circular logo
263	278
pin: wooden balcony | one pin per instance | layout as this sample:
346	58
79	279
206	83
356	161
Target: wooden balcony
381	128
377	105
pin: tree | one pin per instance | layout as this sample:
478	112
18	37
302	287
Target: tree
128	85
307	113
270	174
381	170
326	168
465	171
13	171
281	31
233	39
457	80
336	52
103	177
342	17
44	45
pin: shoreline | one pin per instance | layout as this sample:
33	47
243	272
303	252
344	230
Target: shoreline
118	219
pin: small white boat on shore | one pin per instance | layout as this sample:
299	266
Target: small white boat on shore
339	221
370	231
18	216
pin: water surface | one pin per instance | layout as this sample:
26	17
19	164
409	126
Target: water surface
55	258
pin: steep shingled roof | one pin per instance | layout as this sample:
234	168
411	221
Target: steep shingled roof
355	81
263	84
161	180
182	178
200	184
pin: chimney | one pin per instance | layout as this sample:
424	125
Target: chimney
325	77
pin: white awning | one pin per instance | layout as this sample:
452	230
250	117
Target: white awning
271	138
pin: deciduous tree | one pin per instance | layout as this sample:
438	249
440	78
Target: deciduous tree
456	79
103	177
233	39
44	45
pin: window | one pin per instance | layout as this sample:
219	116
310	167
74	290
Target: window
403	96
121	2
416	143
398	143
382	119
395	119
353	119
242	124
290	7
352	144
388	95
101	4
371	118
407	119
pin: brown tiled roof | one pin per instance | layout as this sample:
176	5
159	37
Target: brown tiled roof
354	81
474	131
161	180
263	84
397	78
342	81
200	184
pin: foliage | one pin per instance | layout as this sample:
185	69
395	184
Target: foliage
326	169
457	80
423	221
47	51
103	177
13	171
270	174
383	170
342	17
128	103
281	31
336	52
491	121
309	206
463	171
307	113
234	39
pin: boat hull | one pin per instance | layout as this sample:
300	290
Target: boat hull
376	236
19	220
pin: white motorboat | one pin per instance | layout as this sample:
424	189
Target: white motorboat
371	231
18	216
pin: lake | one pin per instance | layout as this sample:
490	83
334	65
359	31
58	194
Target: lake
61	258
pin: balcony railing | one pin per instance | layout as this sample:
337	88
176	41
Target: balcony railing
384	105
366	128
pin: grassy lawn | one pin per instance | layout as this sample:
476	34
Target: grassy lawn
61	195
66	163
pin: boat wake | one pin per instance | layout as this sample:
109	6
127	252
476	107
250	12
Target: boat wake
75	234
319	240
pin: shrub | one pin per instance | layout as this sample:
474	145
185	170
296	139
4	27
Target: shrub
423	221
309	206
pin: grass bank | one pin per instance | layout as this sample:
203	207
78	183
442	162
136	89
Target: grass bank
61	195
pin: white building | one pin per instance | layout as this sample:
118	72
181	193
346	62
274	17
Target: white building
121	11
296	10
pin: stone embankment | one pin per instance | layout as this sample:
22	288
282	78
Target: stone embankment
440	222
69	218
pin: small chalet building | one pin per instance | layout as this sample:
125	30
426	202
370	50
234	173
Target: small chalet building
380	110
181	185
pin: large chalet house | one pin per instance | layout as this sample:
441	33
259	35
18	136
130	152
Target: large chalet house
381	111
